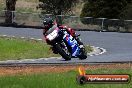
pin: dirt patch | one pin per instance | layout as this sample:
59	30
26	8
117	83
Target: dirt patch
34	69
46	69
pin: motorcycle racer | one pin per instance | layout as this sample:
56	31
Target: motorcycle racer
49	23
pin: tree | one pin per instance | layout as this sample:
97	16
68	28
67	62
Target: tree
127	12
57	7
10	6
104	8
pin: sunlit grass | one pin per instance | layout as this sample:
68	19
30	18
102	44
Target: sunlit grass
15	48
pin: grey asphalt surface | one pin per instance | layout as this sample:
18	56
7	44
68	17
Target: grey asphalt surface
117	45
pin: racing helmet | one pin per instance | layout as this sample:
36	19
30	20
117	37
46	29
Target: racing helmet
48	22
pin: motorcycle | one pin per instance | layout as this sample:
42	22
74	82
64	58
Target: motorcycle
65	44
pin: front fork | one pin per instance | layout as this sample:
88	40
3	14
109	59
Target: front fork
63	45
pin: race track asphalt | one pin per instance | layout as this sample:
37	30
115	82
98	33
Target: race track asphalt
117	45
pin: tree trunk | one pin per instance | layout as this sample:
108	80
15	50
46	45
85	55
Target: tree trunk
9	14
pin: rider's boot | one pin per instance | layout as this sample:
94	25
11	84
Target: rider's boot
80	43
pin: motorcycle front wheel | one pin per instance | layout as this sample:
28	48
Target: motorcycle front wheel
64	53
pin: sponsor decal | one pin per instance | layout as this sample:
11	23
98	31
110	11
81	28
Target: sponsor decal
84	78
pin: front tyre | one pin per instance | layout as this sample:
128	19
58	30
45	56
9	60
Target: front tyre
62	52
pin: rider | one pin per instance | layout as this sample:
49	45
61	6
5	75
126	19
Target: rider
49	23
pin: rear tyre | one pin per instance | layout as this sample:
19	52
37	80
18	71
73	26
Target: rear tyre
63	53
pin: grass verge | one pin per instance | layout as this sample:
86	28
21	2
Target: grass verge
16	48
61	79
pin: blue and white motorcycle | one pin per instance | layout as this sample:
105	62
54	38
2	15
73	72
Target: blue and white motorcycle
65	44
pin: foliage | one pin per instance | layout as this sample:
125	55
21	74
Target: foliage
57	7
10	6
104	8
127	12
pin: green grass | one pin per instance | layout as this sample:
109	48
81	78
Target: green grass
15	48
59	80
11	48
89	49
